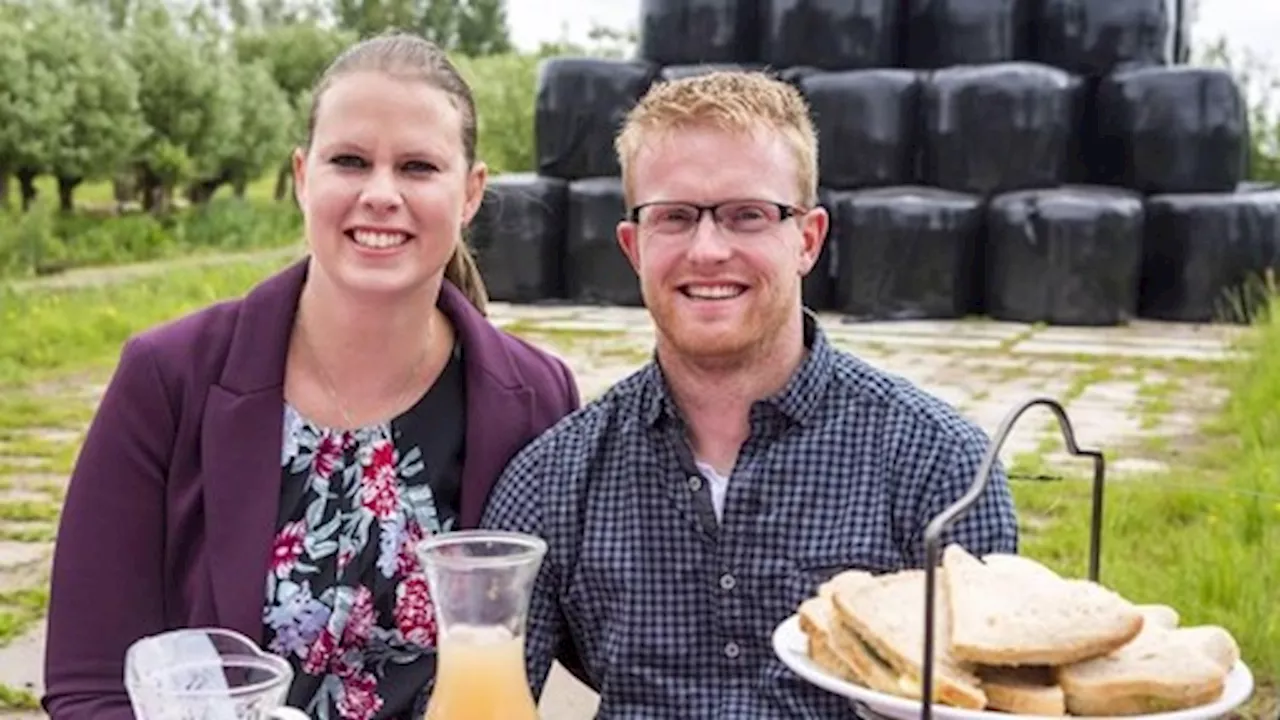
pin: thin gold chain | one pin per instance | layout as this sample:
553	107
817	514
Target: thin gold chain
332	387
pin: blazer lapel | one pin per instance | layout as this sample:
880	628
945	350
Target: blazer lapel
499	403
240	448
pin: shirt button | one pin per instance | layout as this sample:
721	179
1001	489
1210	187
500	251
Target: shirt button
727	581
695	483
731	650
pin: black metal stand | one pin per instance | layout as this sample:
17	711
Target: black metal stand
1181	42
944	520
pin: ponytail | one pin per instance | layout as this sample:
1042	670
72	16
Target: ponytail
463	272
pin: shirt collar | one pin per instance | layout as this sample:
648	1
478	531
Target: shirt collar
796	401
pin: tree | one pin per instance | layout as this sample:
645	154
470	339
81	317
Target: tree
14	92
482	28
294	56
259	123
105	127
35	102
472	27
187	110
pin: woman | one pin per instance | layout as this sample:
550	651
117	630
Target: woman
303	438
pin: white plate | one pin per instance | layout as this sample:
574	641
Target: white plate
790	644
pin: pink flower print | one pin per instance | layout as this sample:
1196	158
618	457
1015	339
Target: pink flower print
345	555
360	620
287	548
407	561
328	451
320	653
379	492
359	699
415	613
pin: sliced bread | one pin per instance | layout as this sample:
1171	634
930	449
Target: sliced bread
887	614
815	622
1031	690
1010	612
1165	668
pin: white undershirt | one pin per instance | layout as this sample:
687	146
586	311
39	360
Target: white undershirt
719	486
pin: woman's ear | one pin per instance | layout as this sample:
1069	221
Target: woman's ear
477	180
299	176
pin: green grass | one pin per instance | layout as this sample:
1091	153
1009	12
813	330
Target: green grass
52	333
1201	538
18	698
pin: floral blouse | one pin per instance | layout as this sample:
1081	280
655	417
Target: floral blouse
347	603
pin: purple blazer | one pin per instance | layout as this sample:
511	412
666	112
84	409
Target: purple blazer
171	509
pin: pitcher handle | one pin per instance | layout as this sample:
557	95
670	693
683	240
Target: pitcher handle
288	713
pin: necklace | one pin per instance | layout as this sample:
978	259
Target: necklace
332	388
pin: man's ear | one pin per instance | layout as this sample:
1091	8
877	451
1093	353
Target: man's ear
813	232
628	240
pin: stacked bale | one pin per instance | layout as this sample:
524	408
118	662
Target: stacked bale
1066	255
947	33
1206	255
551	233
905	252
518	235
1046	160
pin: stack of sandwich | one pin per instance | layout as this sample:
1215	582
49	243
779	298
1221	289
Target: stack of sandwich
1011	635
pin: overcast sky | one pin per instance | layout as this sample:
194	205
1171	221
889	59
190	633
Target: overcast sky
1252	24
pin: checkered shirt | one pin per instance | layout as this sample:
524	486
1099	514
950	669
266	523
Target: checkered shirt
672	611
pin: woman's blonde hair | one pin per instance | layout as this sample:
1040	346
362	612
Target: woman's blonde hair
408	56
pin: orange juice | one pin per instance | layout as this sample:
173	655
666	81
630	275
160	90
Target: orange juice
480	675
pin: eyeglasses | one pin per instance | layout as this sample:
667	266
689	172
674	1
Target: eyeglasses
741	217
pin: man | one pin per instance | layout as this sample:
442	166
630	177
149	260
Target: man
693	506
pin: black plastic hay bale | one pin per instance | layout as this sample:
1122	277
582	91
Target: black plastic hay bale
830	34
1064	256
905	252
1089	162
1096	37
866	122
1174	129
686	32
997	128
797	74
679	72
596	270
580	106
518	236
943	33
818	286
1206	256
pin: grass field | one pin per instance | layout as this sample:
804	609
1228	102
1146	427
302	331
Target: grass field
1199	538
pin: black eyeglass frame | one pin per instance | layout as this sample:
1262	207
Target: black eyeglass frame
785	211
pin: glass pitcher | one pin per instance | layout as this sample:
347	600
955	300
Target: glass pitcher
206	674
481	583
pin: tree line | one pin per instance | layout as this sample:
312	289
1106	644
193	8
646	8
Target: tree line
161	99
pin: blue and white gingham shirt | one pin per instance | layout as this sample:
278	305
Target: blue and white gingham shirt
672	611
